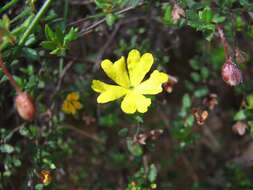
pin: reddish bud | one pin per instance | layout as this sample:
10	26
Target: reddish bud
231	74
25	106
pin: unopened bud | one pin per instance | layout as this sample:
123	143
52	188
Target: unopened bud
25	106
231	74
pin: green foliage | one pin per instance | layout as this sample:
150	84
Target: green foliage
57	41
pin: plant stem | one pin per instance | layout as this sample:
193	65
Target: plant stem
8	5
66	11
224	41
9	76
35	21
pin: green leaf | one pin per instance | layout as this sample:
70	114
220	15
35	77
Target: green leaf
240	115
31	54
152	174
167	17
6	148
186	101
50	35
249	102
195	76
206	15
108	120
201	92
72	35
195	64
58	51
189	121
218	19
134	148
110	19
204	73
17	162
250	123
123	132
50	45
39	187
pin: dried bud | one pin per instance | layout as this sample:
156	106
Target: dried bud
25	106
149	135
239	128
200	115
168	86
141	138
210	101
88	119
240	56
231	74
177	13
155	134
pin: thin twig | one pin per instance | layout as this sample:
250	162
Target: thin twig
59	83
64	71
104	48
93	26
110	39
84	133
75	2
12	132
85	19
189	166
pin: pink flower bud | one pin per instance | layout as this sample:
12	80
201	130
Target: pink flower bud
231	74
25	106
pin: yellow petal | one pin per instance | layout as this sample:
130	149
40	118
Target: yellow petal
153	85
138	66
73	96
117	71
77	105
99	86
133	60
73	110
108	92
68	107
135	102
65	106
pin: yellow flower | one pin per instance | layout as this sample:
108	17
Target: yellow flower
129	78
71	104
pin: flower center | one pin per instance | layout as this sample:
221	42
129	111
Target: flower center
131	88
